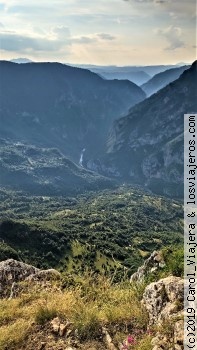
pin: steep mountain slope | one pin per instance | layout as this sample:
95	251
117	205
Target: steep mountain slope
160	80
54	105
147	145
44	171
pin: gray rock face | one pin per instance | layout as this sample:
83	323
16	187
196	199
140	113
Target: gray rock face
13	271
151	264
160	298
163	301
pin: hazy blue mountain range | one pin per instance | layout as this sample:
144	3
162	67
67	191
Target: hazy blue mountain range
54	105
146	146
138	74
139	77
162	79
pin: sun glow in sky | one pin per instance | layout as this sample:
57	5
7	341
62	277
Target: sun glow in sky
104	32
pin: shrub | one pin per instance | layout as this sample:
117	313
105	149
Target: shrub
44	314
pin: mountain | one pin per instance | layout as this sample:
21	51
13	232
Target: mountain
162	79
139	77
21	60
54	105
146	146
44	171
137	74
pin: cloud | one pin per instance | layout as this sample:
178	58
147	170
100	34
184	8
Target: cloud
147	1
61	32
181	8
11	41
98	31
173	36
105	36
57	39
83	39
92	38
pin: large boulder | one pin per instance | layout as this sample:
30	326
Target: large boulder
163	301
13	271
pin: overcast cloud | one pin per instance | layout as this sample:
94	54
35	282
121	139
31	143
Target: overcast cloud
118	32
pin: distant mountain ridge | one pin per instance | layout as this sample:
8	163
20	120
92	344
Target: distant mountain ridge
54	105
137	77
162	79
146	146
137	74
21	60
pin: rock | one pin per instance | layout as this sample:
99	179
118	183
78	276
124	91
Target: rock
108	339
44	275
179	335
13	291
62	329
55	324
151	264
13	271
68	333
164	302
161	299
160	342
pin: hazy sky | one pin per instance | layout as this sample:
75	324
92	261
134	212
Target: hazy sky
121	32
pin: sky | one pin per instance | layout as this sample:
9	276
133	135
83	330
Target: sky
100	32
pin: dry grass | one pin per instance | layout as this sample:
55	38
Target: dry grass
89	305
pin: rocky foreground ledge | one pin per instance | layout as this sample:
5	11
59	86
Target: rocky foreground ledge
163	301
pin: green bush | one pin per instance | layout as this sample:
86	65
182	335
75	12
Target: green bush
44	314
174	258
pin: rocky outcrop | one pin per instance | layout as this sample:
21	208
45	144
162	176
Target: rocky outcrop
163	301
153	263
13	271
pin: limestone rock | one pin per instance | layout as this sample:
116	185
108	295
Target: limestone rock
163	301
179	334
64	329
44	275
108	340
13	271
151	264
55	324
